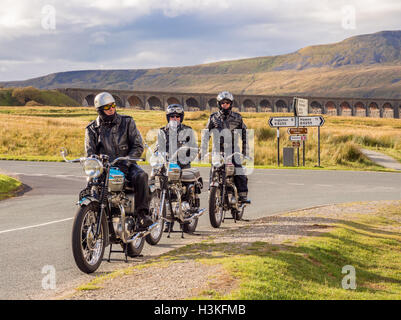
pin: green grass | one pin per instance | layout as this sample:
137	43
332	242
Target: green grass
7	186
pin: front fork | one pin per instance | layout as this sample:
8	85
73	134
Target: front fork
103	202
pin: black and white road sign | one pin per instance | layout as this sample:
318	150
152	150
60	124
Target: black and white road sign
276	122
316	121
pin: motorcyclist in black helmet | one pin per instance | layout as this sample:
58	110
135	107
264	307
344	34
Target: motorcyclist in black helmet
225	118
117	136
173	136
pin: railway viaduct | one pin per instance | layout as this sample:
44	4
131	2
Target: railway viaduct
155	100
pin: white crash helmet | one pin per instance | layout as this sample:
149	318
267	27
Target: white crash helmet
102	99
225	95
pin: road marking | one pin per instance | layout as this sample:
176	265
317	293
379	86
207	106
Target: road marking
64	176
35	226
296	184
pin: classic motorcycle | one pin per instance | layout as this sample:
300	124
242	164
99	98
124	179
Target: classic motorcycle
223	194
177	190
106	214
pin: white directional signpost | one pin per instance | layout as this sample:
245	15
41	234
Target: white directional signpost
297	127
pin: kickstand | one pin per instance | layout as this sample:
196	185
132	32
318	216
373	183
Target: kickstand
119	251
182	231
169	230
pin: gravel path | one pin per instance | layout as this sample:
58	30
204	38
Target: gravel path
180	280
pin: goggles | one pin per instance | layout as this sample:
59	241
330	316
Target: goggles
109	106
177	110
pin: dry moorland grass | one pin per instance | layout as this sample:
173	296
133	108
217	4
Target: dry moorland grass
39	132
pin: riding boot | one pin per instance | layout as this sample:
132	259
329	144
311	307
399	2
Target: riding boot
144	218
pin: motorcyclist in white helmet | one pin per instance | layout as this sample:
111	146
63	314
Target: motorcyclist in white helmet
117	136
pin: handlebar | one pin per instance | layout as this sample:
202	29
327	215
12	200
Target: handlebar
64	154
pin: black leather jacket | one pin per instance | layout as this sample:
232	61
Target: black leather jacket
121	138
185	136
233	122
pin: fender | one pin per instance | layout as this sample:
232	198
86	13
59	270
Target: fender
86	200
214	184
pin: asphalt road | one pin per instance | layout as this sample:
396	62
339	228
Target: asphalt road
35	229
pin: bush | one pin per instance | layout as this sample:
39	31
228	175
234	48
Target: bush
24	95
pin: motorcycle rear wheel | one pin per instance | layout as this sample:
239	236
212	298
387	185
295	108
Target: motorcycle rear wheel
87	251
190	227
134	248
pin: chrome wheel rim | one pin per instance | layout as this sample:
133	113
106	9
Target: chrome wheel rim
91	248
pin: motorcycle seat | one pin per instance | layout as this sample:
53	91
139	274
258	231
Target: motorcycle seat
190	175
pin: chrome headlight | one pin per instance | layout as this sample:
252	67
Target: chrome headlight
156	161
93	168
217	160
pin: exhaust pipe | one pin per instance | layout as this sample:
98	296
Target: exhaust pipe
195	215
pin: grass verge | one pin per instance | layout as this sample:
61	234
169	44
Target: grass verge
8	186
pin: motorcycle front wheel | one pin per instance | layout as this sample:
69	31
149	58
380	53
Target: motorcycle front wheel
215	212
86	248
156	213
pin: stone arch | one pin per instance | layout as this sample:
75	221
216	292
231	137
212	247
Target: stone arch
173	100
135	102
281	106
346	109
119	101
331	108
360	109
212	105
192	104
374	110
155	103
249	106
265	106
89	100
387	110
316	107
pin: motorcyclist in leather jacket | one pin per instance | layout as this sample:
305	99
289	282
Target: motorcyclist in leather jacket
173	136
225	118
117	136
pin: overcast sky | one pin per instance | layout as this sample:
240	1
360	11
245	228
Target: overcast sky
41	37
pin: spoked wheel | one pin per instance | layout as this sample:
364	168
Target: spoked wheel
87	249
215	212
156	213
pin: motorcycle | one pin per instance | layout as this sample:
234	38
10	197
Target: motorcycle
223	194
106	214
177	190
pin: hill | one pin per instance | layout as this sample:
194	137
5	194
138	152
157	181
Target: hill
361	66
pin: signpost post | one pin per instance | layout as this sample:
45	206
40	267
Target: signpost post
297	127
